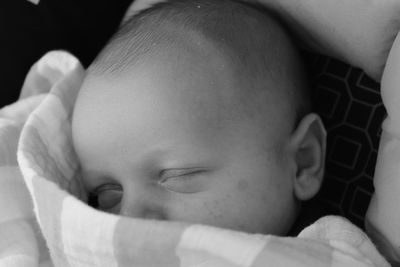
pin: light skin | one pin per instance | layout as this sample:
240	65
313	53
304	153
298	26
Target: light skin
165	140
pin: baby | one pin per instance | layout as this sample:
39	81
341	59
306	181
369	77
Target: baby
199	111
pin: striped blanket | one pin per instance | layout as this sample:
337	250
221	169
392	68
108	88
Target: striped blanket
45	220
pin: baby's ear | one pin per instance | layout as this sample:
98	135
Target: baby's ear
308	146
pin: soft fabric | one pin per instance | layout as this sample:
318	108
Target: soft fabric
383	217
78	235
21	242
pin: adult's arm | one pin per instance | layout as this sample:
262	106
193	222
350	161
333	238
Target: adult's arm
359	32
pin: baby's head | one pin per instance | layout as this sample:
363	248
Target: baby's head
198	111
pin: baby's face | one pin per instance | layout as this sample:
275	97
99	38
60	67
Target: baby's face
164	140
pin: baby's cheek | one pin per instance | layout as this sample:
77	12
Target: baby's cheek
205	208
215	210
227	210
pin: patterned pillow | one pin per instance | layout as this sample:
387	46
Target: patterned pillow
350	105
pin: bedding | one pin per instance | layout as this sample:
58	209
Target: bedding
78	235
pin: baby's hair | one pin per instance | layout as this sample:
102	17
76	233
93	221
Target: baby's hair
253	38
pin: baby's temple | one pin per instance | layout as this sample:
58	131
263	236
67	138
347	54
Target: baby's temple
193	139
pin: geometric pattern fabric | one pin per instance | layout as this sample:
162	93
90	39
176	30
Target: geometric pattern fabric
351	108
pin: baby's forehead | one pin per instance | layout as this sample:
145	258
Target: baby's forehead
163	106
192	78
207	70
191	58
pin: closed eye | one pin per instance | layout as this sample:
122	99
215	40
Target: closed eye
185	181
107	196
170	173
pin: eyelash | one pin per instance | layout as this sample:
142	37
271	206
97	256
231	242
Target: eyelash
181	172
100	188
